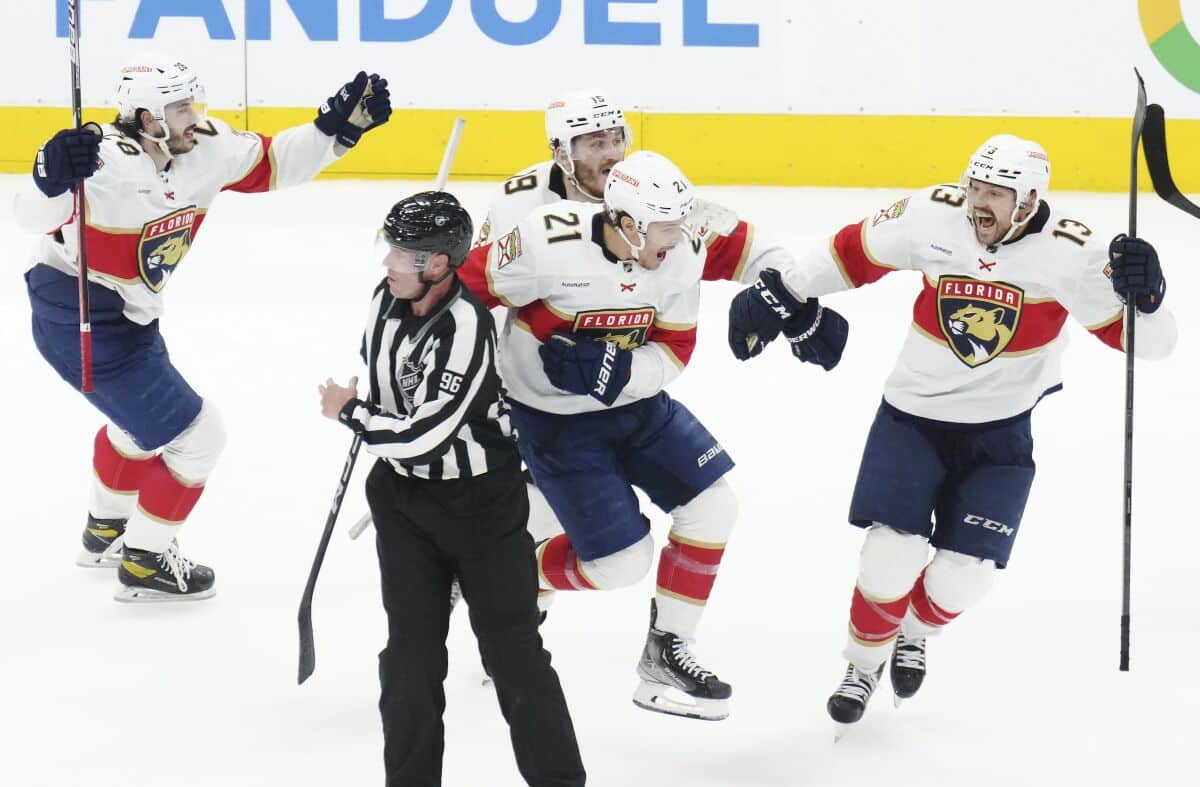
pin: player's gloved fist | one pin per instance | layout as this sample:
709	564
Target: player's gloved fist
360	105
757	314
1136	273
70	155
817	334
577	364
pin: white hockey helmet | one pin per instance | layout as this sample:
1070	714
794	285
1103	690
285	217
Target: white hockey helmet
153	81
1014	163
581	113
648	187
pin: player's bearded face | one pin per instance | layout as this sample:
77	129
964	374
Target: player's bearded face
661	237
182	118
594	156
990	208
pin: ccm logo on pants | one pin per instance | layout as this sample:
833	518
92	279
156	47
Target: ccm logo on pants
988	524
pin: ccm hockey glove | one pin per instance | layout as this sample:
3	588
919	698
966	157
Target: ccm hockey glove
359	106
817	334
1136	273
69	156
579	365
757	314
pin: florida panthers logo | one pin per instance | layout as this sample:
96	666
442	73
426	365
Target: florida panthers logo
627	328
164	243
978	318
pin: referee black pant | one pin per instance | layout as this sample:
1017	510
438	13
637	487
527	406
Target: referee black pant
428	532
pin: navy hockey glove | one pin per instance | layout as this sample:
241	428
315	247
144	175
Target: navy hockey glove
817	334
359	106
577	364
1136	273
757	314
68	156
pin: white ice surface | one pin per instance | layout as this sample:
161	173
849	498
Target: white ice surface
1023	690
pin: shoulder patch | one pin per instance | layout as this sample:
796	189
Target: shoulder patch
887	214
508	248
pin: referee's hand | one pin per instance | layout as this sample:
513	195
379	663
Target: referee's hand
334	396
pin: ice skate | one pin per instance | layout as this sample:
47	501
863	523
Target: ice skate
907	667
102	542
673	682
162	576
847	704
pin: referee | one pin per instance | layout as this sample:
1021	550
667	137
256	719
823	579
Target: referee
448	499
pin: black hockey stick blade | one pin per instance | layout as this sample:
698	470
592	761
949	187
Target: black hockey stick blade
308	646
1154	145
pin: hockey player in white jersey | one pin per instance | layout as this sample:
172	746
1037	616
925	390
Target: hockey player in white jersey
603	301
151	175
587	134
948	462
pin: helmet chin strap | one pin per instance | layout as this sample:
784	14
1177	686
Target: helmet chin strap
1015	225
162	141
570	170
428	285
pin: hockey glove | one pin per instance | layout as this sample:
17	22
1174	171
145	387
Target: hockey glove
817	334
69	156
579	365
757	314
359	106
1136	273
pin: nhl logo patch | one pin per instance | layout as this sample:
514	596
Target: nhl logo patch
627	328
978	318
163	244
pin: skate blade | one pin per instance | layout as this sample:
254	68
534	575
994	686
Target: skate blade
840	729
669	700
136	595
98	559
897	700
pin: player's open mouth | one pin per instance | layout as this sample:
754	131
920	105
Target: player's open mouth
984	222
662	255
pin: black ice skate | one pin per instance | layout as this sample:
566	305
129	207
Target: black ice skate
907	667
847	704
672	681
102	542
162	576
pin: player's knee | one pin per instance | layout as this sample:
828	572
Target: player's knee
193	454
124	443
621	568
955	581
709	516
890	562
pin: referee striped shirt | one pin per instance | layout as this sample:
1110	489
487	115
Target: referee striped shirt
437	406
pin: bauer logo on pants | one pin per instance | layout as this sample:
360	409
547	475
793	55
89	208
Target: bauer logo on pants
978	318
164	242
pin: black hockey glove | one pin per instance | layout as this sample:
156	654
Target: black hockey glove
817	335
577	364
1136	273
68	156
359	106
757	314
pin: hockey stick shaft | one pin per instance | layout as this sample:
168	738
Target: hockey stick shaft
1139	117
85	307
308	649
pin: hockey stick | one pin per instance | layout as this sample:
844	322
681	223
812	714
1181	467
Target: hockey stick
1154	146
85	307
308	648
443	175
1139	119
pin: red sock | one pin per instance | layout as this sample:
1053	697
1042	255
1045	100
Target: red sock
116	471
164	497
687	571
926	610
875	622
559	565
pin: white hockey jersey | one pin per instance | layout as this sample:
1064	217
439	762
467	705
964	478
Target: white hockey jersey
986	336
539	185
554	274
141	222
